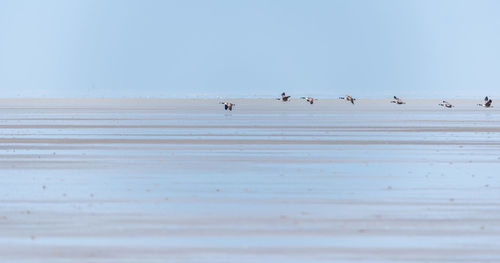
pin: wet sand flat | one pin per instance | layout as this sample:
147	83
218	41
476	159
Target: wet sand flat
163	180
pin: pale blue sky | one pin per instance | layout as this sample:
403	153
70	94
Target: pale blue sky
237	48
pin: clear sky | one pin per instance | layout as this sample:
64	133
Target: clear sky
254	48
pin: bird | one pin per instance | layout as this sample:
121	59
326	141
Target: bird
284	97
397	100
308	99
446	104
228	105
487	103
348	98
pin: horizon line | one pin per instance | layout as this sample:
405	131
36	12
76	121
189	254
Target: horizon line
234	98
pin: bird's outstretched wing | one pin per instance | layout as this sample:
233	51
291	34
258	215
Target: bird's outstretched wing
488	104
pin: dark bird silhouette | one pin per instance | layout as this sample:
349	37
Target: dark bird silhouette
284	97
348	98
397	100
228	105
446	104
487	103
308	99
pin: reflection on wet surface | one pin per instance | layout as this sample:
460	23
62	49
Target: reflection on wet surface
156	181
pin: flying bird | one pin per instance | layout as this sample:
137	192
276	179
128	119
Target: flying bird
487	103
348	98
446	104
228	105
308	99
284	97
397	100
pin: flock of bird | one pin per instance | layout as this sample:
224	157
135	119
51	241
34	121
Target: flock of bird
348	98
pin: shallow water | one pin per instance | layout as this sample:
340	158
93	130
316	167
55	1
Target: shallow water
186	181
